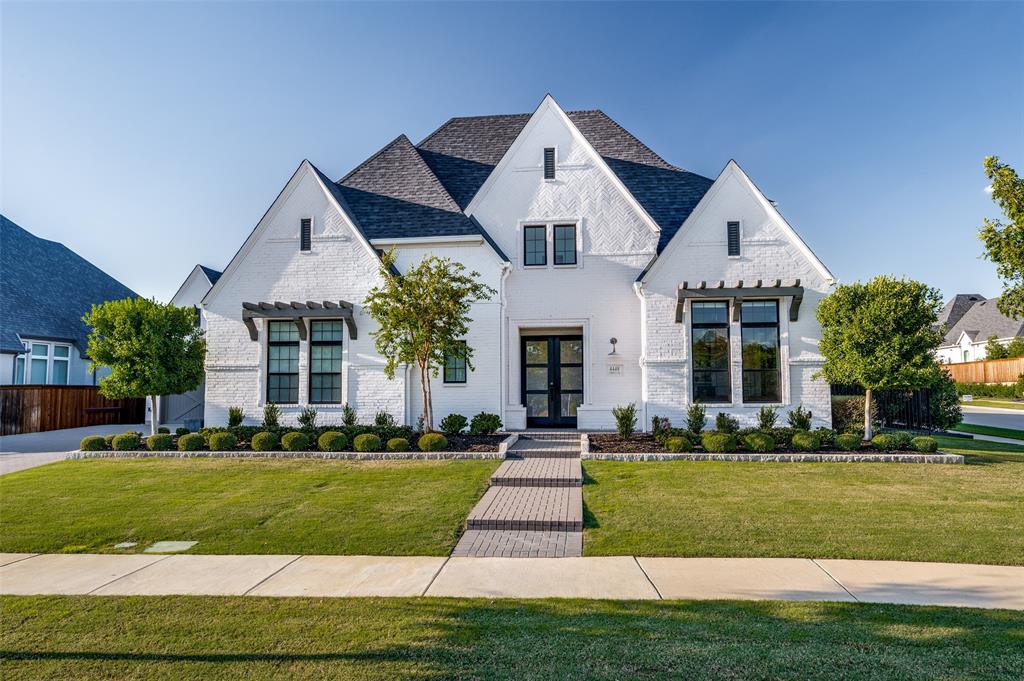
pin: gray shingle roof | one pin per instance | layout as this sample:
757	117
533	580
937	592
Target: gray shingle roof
211	274
981	320
45	288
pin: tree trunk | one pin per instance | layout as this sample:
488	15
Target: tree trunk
867	414
154	418
430	405
426	398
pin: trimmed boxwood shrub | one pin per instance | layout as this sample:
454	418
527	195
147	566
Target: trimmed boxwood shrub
332	441
190	442
883	443
432	442
453	424
181	431
783	436
222	442
163	430
848	442
92	443
902	439
108	440
367	442
161	442
485	424
805	441
126	442
678	444
827	436
759	442
924	444
295	442
716	442
398	444
264	441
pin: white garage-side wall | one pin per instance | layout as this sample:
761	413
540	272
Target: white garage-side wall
615	241
769	250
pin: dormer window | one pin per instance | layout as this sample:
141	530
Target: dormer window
549	163
306	234
733	229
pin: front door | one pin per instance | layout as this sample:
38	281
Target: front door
552	380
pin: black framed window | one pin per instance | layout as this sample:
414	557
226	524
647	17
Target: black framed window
549	163
306	234
733	236
325	361
535	245
282	362
565	244
710	344
759	333
455	366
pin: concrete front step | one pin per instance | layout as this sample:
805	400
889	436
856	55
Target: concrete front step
503	507
539	472
545	449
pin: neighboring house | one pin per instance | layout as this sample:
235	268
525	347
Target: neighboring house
620	277
45	288
970	321
190	405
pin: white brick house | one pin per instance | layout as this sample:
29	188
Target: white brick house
586	234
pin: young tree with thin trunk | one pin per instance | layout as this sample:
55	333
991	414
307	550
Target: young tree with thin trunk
1004	243
151	349
423	317
880	336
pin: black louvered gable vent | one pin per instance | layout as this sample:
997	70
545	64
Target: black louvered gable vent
734	238
549	163
306	234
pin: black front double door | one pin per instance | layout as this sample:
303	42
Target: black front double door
552	380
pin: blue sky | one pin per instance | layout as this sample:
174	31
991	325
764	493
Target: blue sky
149	137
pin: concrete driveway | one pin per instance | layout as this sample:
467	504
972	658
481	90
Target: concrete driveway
18	452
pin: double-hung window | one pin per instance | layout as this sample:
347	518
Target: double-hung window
565	244
45	363
535	245
282	362
455	366
710	345
325	362
759	333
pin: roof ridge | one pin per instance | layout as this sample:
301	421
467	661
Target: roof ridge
634	137
372	157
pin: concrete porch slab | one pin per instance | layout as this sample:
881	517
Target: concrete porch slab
8	558
792	579
617	577
972	586
68	574
353	576
198	576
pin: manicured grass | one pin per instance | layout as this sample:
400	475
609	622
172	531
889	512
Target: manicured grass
263	638
1001	404
981	451
233	506
990	430
927	512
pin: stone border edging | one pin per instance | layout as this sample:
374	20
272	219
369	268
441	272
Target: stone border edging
336	456
584	444
810	457
507	443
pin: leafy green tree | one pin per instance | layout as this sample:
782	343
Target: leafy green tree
151	349
880	336
1004	243
423	317
994	349
1015	348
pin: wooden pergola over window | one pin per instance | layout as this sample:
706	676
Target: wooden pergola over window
737	291
298	312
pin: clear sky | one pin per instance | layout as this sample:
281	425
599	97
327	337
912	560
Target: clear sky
151	137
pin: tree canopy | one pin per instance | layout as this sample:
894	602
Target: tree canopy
1004	242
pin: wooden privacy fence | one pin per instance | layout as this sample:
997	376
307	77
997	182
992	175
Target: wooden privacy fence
987	370
36	408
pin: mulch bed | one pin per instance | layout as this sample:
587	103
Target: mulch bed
640	443
473	443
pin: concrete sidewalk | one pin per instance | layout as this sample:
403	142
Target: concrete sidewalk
616	577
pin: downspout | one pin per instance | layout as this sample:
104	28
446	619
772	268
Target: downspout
506	270
638	289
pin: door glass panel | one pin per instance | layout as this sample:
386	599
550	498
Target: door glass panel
19	371
571	352
537	351
569	404
537	405
572	378
537	378
60	373
38	372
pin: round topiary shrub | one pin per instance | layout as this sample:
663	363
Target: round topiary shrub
924	444
264	441
902	439
485	424
190	442
332	441
848	442
126	442
718	443
222	442
760	442
432	442
678	444
181	431
884	443
108	440
163	430
92	443
804	441
161	442
295	442
398	444
367	442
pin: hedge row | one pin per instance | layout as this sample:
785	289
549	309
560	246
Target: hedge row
785	439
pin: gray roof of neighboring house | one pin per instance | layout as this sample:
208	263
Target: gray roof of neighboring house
410	191
211	274
956	307
982	320
45	288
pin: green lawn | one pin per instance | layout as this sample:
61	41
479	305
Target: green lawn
990	430
957	513
1001	404
263	638
233	506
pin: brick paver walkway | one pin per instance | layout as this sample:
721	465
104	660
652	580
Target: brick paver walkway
534	507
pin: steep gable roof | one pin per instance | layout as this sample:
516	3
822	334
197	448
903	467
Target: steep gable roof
983	320
956	307
211	274
45	288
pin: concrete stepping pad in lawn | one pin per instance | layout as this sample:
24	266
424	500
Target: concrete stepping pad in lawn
539	472
529	508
